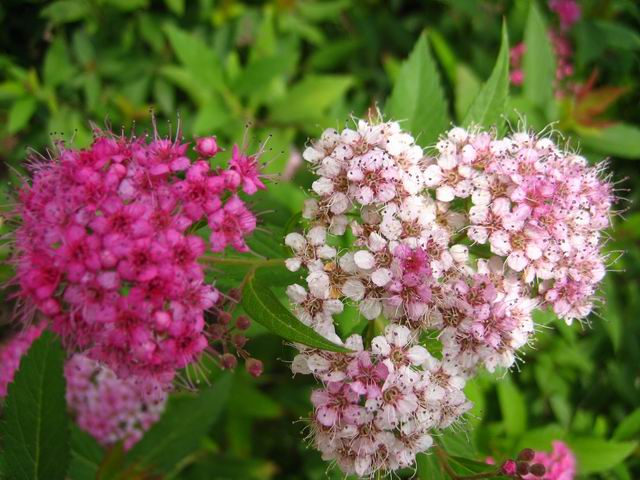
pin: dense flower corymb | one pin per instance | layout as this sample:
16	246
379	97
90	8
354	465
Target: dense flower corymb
107	249
462	245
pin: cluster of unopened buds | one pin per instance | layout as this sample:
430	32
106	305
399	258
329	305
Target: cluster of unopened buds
109	247
559	464
462	245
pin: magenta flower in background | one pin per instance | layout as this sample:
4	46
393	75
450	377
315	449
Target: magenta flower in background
11	353
568	12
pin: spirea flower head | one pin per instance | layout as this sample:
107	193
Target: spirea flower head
11	352
107	247
462	245
109	408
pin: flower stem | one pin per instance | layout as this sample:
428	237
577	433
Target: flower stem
243	261
443	458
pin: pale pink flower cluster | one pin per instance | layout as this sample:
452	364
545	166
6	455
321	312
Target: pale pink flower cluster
541	210
107	246
109	408
11	353
377	407
463	244
560	463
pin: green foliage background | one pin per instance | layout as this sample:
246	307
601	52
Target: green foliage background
288	69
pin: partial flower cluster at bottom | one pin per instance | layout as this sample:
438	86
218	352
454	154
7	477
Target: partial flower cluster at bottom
377	406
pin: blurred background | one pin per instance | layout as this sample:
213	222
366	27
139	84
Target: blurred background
285	70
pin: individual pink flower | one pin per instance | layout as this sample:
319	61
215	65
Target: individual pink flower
230	224
245	170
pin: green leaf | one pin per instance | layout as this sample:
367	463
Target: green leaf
259	73
539	62
512	406
211	116
310	98
262	306
36	430
64	11
598	455
176	6
20	113
629	428
429	468
610	313
184	423
83	48
249	401
467	87
417	99
197	57
181	78
57	67
467	466
620	140
86	455
491	102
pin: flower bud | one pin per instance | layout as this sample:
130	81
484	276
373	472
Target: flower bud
239	341
234	294
207	146
254	367
522	468
537	469
224	318
228	361
526	455
217	331
508	467
243	322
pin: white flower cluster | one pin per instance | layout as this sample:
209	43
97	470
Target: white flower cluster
531	213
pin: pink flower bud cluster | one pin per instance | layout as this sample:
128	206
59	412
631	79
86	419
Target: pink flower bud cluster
107	249
109	408
377	407
12	351
530	213
560	463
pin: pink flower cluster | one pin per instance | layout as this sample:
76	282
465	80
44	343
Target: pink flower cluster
564	66
377	406
560	463
569	13
531	214
107	249
109	408
12	351
540	209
